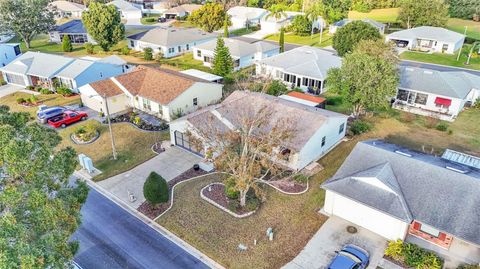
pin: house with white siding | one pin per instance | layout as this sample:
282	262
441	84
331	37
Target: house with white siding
304	67
317	131
244	17
74	29
67	9
332	29
160	92
402	194
435	93
51	70
9	52
180	11
127	10
169	41
243	53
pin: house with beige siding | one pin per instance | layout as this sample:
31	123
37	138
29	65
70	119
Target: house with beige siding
159	92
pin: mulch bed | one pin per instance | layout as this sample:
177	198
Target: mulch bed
217	194
157	148
28	104
153	211
289	186
399	263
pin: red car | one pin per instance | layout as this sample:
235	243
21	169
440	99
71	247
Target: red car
68	117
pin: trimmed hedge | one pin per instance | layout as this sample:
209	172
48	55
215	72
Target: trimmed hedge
155	189
412	255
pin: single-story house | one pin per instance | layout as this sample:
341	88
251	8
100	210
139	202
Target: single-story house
202	75
332	29
303	67
160	7
435	93
305	99
428	39
317	131
402	194
243	17
75	31
67	9
160	92
243	53
180	11
272	25
9	52
127	10
50	70
170	41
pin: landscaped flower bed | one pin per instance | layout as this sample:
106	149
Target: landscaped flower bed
29	102
409	255
134	119
85	134
215	194
154	211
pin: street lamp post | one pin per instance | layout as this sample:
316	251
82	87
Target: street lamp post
114	150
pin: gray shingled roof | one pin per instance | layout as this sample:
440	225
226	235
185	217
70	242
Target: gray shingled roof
239	48
307	119
246	13
307	61
427	32
433	194
172	36
124	5
72	27
374	23
38	64
456	84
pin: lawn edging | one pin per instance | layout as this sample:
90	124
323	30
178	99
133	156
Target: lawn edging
282	191
221	207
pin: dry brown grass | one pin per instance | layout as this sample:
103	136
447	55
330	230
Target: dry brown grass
45	99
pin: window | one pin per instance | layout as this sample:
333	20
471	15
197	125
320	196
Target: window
402	95
179	48
17	50
421	98
324	139
132	43
146	104
195	101
171	50
199	53
188	47
341	128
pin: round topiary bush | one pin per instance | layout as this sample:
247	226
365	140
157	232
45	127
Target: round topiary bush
230	191
155	189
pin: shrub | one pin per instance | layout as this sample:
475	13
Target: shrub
150	19
20	100
30	88
45	91
442	126
89	48
359	127
233	205
468	266
66	44
301	25
394	250
33	99
300	178
155	189
64	91
412	255
276	88
334	100
148	54
86	132
159	57
230	190
125	50
431	122
252	204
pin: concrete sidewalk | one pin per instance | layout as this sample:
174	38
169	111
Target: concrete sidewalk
9	89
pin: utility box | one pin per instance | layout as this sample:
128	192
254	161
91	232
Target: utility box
81	160
88	165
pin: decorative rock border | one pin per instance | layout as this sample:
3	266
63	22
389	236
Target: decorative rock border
285	192
220	206
138	128
156	151
75	141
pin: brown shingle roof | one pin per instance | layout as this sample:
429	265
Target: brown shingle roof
158	85
106	88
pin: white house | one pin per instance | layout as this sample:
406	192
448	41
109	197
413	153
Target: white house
180	11
160	92
170	41
242	17
428	39
127	10
332	29
50	70
317	130
67	9
303	67
269	24
243	53
9	52
402	194
74	29
435	93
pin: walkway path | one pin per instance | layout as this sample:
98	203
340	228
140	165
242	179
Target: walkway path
9	89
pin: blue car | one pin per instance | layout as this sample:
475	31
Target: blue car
47	113
350	257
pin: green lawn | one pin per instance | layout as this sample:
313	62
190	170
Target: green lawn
384	15
458	25
443	59
184	24
243	31
146	20
185	62
309	40
44	99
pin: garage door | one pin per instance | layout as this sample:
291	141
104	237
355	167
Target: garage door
369	218
15	79
92	103
183	141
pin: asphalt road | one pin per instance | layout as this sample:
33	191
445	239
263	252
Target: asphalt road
110	237
288	46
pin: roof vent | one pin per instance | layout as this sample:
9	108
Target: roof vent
461	158
409	69
458	170
427	72
403	153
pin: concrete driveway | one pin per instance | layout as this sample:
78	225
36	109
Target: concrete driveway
9	89
332	236
169	164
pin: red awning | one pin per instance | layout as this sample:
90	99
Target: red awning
443	101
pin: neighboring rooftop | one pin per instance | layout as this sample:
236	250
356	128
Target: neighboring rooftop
374	23
411	185
306	61
239	48
428	32
68	6
172	36
456	84
201	75
71	27
246	13
237	105
188	8
303	98
288	16
106	88
38	64
124	5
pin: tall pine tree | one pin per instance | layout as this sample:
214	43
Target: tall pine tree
281	40
222	61
66	44
225	27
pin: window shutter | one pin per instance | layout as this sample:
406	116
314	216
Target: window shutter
442	236
416	225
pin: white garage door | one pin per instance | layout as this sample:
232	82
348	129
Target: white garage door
367	217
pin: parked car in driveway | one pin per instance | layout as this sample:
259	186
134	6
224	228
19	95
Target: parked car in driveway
350	257
46	113
68	117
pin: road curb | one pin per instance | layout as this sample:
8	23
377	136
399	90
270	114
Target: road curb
157	227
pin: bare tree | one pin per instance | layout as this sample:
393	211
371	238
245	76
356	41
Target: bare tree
251	144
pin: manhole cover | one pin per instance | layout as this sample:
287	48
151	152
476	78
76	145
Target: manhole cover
351	229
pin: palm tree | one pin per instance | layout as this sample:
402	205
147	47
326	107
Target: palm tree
313	12
277	12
